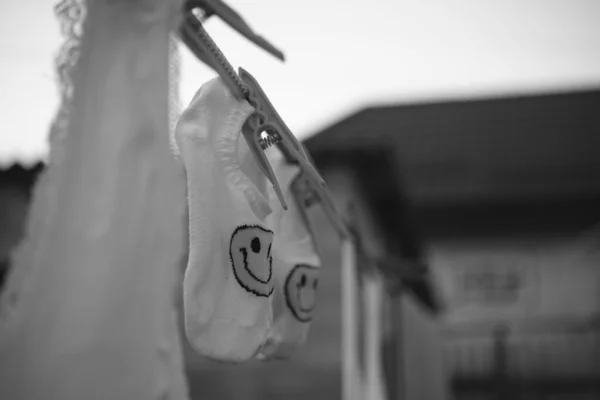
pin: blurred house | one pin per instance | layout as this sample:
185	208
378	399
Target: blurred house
505	194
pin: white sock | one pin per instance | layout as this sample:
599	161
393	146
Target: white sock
296	268
228	282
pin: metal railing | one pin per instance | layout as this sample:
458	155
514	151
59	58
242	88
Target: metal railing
540	360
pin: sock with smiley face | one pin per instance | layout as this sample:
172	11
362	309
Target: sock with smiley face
228	282
296	269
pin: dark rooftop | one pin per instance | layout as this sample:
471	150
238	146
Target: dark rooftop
486	149
499	166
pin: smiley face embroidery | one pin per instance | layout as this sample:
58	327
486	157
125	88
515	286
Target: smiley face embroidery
251	259
301	291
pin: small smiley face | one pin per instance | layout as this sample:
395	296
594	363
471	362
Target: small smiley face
301	291
251	259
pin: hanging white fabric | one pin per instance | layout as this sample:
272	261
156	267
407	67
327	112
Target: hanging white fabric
91	316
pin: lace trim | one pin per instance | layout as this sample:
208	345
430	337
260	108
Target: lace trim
174	100
71	17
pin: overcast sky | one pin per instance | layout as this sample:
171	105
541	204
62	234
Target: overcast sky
341	56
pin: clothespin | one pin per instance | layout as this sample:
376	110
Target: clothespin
234	20
269	121
265	119
307	193
198	11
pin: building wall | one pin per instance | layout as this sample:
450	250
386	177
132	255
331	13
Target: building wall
545	293
518	280
421	374
421	353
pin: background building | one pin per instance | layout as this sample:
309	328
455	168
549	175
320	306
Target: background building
505	194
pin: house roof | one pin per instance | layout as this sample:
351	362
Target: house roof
482	149
429	168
